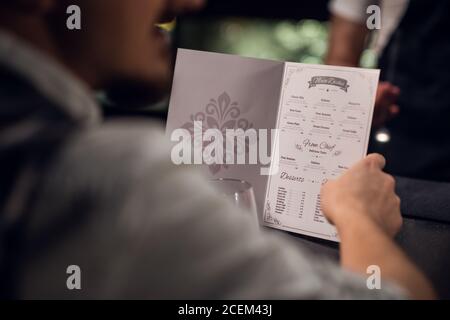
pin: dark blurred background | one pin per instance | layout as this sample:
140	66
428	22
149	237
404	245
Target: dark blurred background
287	30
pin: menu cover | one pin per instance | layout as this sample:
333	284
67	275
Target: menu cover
302	125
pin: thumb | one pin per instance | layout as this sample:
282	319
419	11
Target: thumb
376	160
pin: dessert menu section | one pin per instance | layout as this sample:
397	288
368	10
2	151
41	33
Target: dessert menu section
324	122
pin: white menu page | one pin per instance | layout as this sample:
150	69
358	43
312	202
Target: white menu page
322	114
324	121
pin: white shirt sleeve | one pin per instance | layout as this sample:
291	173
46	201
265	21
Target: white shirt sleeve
354	10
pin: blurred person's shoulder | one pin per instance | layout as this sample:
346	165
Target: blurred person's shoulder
119	145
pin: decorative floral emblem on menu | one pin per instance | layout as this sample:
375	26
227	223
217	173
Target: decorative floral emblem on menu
222	114
330	81
268	216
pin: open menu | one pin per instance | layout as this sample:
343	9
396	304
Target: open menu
322	116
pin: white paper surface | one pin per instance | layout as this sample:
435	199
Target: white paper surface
324	119
205	80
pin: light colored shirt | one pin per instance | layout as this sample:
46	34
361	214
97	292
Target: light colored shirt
392	11
112	203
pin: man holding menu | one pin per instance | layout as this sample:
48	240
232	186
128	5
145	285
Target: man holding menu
105	196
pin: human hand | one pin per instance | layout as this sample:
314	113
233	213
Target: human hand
363	192
385	104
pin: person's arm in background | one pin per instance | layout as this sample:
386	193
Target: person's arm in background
347	42
348	32
363	206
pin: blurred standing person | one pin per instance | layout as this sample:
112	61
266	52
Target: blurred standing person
413	101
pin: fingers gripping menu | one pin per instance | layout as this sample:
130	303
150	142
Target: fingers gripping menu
324	121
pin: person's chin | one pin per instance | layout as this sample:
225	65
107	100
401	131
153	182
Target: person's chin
138	92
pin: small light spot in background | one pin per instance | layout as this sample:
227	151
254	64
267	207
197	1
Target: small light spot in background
383	136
